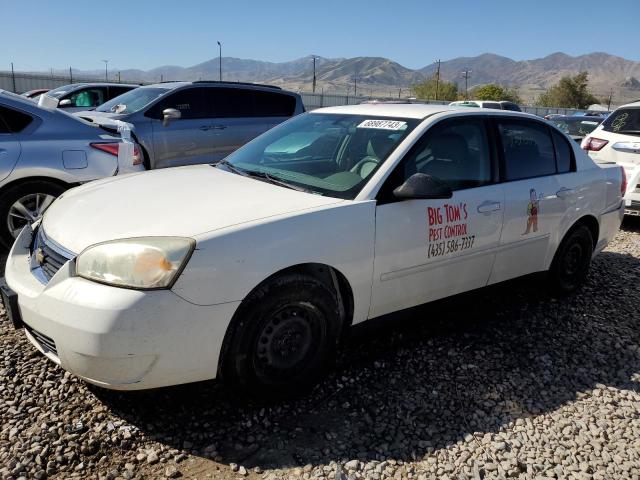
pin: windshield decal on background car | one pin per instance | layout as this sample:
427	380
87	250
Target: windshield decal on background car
448	231
532	211
619	122
383	124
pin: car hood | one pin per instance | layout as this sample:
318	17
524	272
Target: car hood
183	201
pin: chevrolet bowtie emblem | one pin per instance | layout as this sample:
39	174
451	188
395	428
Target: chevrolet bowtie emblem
39	256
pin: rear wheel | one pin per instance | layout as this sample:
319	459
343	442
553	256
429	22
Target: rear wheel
283	338
570	265
22	204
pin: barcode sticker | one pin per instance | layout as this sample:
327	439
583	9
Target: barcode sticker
383	124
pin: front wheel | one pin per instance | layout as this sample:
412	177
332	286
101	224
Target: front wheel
22	204
283	338
570	265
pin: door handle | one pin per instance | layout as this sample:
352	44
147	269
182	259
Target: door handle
3	151
204	128
565	192
218	127
488	207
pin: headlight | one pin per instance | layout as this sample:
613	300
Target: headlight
144	263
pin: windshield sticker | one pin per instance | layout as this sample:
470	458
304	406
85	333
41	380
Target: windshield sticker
532	212
618	123
448	231
383	124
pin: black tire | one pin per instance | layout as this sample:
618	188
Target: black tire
282	338
571	262
16	192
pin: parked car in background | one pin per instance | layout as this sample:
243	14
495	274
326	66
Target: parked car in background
501	105
45	152
252	268
78	97
34	93
182	123
617	140
576	127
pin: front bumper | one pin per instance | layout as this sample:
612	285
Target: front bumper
113	337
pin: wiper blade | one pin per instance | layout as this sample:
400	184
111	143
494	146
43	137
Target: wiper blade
260	175
627	131
231	167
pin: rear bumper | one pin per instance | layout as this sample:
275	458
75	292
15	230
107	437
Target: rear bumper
113	337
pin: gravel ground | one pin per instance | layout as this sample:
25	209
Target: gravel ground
503	382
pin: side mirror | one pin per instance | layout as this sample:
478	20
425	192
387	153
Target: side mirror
169	114
65	103
421	185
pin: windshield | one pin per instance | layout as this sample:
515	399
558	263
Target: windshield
60	91
623	120
575	127
329	154
132	101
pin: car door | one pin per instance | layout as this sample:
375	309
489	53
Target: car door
535	199
188	139
11	121
429	249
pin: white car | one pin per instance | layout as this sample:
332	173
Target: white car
617	140
250	269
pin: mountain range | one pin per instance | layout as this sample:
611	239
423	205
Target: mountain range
381	76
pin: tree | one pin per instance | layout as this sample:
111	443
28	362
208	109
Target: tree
427	90
492	91
569	92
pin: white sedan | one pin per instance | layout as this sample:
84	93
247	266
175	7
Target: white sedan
250	269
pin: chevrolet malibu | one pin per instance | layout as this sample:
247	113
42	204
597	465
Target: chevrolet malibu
250	269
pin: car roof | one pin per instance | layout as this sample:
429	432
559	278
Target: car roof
579	118
632	104
177	84
413	110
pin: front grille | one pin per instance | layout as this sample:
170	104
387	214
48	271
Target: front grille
47	344
47	257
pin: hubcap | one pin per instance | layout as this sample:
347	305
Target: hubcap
573	260
27	209
288	338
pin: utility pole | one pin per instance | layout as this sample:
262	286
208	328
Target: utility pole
466	75
118	77
437	78
610	98
161	78
220	59
106	71
399	92
13	78
355	83
52	73
313	87
70	75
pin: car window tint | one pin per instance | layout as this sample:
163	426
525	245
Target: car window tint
90	97
191	102
623	120
564	153
456	152
491	105
115	91
231	102
271	104
13	121
510	106
527	148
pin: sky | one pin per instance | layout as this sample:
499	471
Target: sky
39	35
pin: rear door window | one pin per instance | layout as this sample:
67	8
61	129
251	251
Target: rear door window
230	102
527	149
495	105
116	91
272	104
624	121
13	121
564	153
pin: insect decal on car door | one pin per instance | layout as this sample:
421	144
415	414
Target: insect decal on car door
532	211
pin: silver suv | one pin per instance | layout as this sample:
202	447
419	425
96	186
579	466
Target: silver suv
184	123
